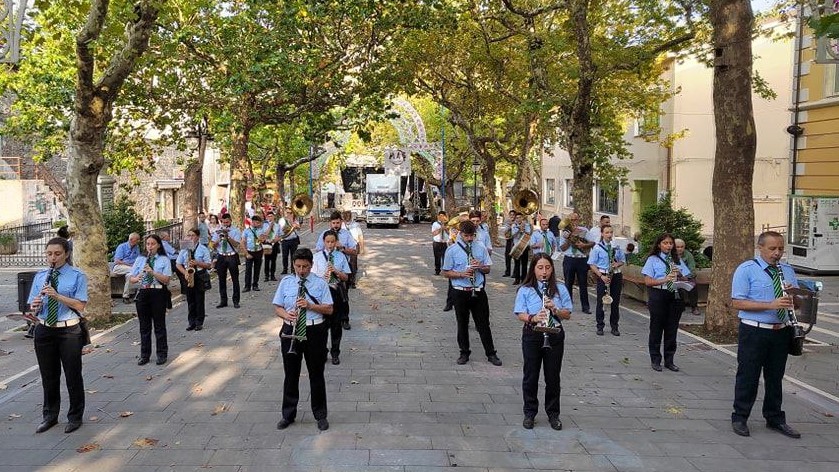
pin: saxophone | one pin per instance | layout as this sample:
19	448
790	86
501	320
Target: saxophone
190	270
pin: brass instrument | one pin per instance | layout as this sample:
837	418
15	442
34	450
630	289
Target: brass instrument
301	205
525	202
546	327
607	298
190	270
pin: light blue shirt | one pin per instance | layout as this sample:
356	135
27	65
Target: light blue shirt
202	254
529	301
233	234
657	269
270	230
71	283
752	282
252	235
203	233
538	238
344	239
321	261
572	250
519	230
170	250
161	265
599	256
281	225
482	235
126	253
456	260
286	294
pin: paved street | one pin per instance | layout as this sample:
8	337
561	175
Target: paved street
399	402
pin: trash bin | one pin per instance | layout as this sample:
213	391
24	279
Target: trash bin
24	286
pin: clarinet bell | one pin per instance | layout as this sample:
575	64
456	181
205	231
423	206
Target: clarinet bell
546	343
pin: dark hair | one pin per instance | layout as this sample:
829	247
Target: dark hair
602	227
303	253
329	232
195	231
655	249
530	278
630	248
475	214
441	212
64	232
269	213
225	216
160	250
256	218
336	215
59	242
605	216
467	227
214	216
202	213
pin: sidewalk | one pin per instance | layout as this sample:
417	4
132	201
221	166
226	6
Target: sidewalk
398	401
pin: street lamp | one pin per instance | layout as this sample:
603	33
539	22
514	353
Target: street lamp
475	168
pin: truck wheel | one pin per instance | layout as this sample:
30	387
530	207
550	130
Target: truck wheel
369	226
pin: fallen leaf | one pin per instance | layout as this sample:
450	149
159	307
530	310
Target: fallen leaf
353	382
674	410
109	350
149	377
135	343
14	416
126	414
146	442
221	408
829	415
91	392
3	386
93	418
88	447
199	345
107	376
87	350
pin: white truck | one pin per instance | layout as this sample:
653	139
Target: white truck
383	200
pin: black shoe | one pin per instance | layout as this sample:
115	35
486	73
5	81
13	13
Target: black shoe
323	425
555	423
346	325
190	328
284	423
656	367
72	427
199	327
30	333
448	307
246	290
740	428
436	272
587	311
266	279
143	361
600	331
506	274
221	305
527	423
615	332
126	300
336	360
672	367
494	360
273	279
45	425
464	358
284	272
161	360
516	282
784	429
235	305
256	289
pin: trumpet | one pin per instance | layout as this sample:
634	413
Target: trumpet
607	297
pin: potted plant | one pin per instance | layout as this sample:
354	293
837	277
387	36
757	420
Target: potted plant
8	244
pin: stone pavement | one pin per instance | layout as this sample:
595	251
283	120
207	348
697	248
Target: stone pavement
398	401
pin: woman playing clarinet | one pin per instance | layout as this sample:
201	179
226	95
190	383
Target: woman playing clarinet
58	296
152	272
541	301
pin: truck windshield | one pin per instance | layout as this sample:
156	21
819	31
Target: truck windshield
384	199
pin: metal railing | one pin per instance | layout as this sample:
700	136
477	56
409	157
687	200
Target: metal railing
23	245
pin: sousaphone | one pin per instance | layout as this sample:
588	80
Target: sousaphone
525	202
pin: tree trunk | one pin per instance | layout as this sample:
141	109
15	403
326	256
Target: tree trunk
580	123
90	248
238	184
281	175
488	178
194	180
732	22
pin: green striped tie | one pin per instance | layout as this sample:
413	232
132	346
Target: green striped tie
667	271
148	278
52	303
300	326
547	243
778	289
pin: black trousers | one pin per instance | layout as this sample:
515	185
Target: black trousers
271	261
665	313
537	359
223	265
478	306
615	288
179	275
196	312
289	246
520	266
56	348
253	266
151	310
340	314
314	351
507	248
577	268
439	253
761	349
352	276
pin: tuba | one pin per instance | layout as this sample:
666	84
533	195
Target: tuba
301	205
525	202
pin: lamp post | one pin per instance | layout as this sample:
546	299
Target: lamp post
475	168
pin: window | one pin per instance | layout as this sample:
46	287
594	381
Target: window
569	199
831	80
607	198
647	124
550	191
